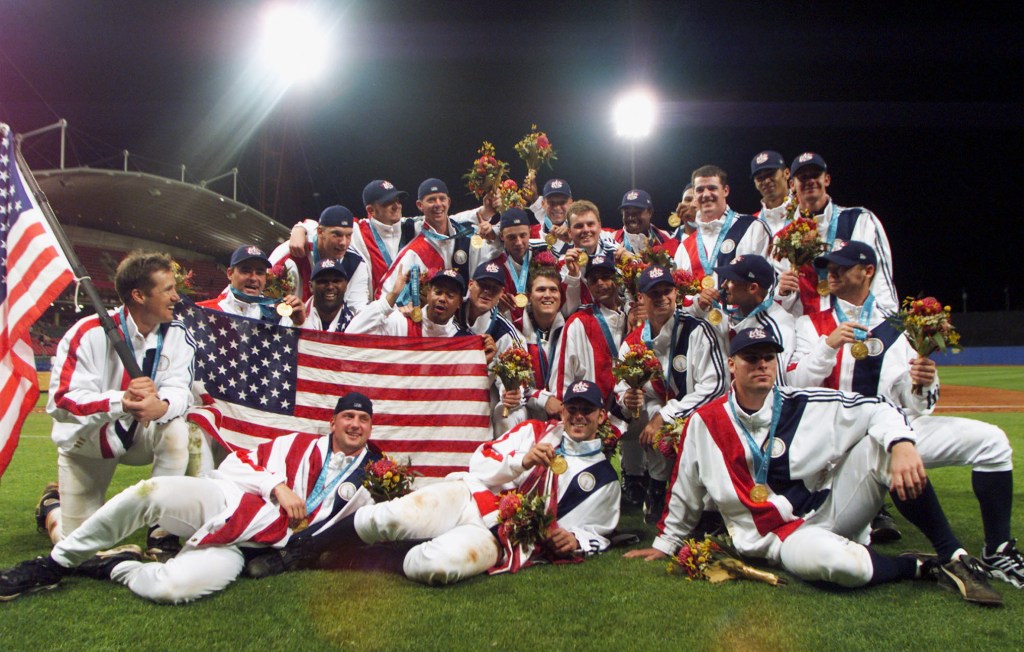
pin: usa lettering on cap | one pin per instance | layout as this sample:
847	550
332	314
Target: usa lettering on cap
656	272
255	251
757	334
580	386
632	194
761	158
492	268
386	185
556	184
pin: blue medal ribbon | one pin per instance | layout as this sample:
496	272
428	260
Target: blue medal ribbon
608	339
561	448
319	490
524	270
762	456
649	343
833	226
705	260
380	245
460	230
864	317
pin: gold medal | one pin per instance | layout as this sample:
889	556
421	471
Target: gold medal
417	314
674	221
558	465
823	287
521	300
284	309
715	316
759	493
582	258
859	350
476	241
707	282
299	526
550	239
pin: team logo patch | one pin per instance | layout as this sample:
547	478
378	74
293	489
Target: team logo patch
327	264
450	273
728	246
557	183
598	260
761	158
587	481
347	490
581	386
778	448
254	251
757	334
656	272
806	156
679	363
493	268
459	257
386	185
631	195
164	364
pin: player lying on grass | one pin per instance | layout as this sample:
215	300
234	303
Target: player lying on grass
563	462
255	499
798	476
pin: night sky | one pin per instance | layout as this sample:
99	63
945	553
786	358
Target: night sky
917	112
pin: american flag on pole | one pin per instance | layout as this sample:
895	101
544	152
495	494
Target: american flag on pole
431	396
33	273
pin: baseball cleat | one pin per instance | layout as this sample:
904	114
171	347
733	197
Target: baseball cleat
967	576
49	501
927	564
100	565
161	545
39	574
634	488
276	562
1006	564
883	528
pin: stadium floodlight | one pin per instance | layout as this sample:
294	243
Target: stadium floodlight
634	113
294	43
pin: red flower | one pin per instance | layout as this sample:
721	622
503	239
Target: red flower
542	142
508	505
928	306
545	258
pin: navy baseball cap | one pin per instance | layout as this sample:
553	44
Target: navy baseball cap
430	186
354	401
653	276
336	216
556	187
749	337
766	160
807	159
327	266
852	253
583	390
601	261
450	276
514	217
381	191
636	198
248	252
751	268
489	271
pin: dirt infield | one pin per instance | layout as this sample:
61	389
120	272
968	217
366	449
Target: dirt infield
979	399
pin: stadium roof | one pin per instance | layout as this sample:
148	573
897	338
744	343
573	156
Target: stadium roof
150	207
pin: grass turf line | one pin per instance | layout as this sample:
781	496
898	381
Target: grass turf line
605	603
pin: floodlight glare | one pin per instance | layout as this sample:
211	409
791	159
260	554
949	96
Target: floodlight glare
634	114
294	43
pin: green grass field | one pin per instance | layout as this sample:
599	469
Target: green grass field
606	603
1004	377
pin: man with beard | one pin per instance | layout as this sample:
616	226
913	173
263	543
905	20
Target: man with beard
326	309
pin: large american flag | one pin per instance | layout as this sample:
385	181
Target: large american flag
431	396
33	272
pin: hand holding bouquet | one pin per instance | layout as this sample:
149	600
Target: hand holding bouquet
386	479
515	369
636	368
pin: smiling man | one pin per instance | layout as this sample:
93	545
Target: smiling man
247	279
457	519
771	178
445	292
326	309
798	475
551	211
637	234
296	483
100	417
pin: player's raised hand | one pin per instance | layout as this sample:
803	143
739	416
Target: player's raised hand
541	454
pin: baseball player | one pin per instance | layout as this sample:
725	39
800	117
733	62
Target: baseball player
384	232
589	240
295	483
551	211
721	235
798	474
458	518
445	290
686	212
853	348
326	309
694	374
771	178
247	279
637	233
836	226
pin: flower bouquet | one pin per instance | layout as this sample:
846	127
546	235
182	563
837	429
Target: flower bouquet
799	243
630	268
687	285
928	326
386	479
487	172
609	436
279	285
523	518
183	280
511	195
714	560
667	439
535	149
636	367
515	369
658	256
